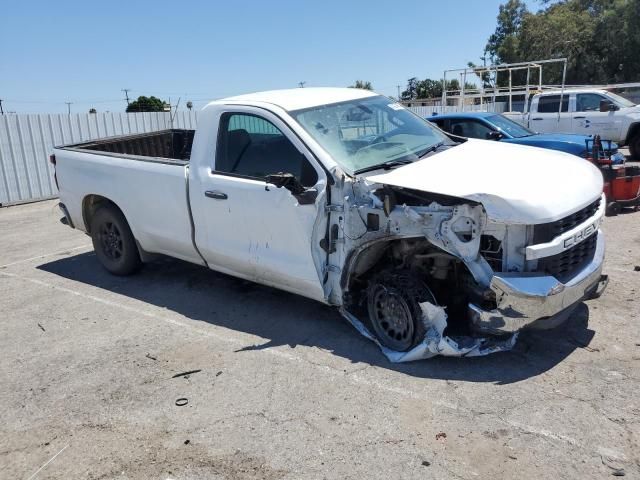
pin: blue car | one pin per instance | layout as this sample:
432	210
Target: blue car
493	126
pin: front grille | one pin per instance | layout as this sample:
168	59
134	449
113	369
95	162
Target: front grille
548	231
565	265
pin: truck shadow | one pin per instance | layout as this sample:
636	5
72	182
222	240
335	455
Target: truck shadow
287	319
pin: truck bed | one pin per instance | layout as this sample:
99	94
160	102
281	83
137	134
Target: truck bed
171	144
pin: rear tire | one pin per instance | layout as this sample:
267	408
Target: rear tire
113	242
395	316
634	148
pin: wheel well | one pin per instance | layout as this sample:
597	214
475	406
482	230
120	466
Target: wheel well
634	130
90	206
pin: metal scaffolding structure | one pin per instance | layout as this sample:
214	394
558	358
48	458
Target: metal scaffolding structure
488	95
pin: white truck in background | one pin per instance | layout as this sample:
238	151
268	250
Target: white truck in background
347	198
587	112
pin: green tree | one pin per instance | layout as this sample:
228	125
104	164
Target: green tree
599	38
362	84
147	104
429	88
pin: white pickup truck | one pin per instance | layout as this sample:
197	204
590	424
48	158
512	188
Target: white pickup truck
345	197
585	112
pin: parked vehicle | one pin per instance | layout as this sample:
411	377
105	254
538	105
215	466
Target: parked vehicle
344	197
587	112
494	126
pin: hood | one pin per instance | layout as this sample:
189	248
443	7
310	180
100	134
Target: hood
514	183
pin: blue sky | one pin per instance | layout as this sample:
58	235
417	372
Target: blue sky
85	52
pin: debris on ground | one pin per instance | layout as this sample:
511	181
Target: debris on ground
636	268
187	441
426	463
441	436
186	374
151	357
41	328
181	402
435	342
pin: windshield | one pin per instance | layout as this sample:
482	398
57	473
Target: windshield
510	127
367	132
620	101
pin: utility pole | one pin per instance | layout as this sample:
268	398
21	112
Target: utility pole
69	107
126	94
1	111
301	84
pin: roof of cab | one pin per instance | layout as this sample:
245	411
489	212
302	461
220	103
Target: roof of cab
299	98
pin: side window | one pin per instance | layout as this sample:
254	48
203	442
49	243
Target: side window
551	103
588	102
470	129
251	146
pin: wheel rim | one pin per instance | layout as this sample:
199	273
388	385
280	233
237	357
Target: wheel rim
111	240
391	318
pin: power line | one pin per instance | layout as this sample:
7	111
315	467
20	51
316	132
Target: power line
126	93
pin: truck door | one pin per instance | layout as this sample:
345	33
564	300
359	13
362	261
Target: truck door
589	120
546	119
252	229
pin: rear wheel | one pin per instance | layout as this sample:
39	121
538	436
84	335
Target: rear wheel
634	148
113	241
395	315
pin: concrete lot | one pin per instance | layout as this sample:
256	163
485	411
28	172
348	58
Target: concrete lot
288	389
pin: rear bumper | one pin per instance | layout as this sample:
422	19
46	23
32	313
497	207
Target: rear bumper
524	298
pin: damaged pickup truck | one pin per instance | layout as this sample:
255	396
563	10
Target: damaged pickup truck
425	245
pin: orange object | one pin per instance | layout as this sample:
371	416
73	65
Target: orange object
624	188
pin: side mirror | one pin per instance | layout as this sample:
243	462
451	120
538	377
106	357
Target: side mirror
495	135
304	195
286	180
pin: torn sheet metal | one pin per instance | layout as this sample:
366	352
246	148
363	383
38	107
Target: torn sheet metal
435	343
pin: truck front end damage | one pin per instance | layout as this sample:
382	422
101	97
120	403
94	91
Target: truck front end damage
468	282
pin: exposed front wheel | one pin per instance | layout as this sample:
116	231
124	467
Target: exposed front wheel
113	241
395	315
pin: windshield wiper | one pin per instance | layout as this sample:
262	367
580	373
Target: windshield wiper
431	149
385	166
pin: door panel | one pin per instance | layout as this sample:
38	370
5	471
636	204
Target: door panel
252	229
589	120
546	118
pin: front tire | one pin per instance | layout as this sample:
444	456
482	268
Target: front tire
395	316
113	242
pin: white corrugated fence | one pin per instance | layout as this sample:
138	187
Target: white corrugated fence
26	141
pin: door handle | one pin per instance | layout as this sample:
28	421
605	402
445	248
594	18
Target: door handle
578	118
216	195
537	118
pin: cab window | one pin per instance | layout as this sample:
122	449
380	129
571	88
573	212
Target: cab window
589	102
251	146
470	129
551	103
